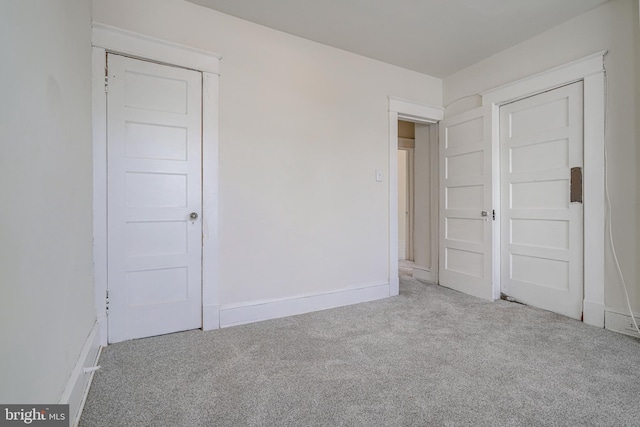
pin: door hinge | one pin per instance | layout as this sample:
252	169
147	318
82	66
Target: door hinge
494	214
107	303
106	84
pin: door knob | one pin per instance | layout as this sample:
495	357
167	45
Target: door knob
193	216
483	213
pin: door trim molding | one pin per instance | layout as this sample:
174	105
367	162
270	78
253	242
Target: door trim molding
127	43
411	111
106	39
591	71
546	80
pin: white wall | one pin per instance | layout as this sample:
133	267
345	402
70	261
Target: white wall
613	26
46	279
300	209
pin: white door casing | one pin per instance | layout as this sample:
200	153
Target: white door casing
411	111
466	213
541	140
590	70
154	185
107	39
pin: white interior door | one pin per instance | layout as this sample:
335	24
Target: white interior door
154	199
541	140
465	203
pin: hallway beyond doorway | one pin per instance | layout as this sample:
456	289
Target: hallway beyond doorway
405	268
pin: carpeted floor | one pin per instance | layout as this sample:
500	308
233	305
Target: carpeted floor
405	267
430	356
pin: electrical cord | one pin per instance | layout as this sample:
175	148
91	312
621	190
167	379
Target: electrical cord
609	208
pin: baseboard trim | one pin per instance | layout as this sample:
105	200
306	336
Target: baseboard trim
618	322
265	310
593	313
210	317
75	393
102	330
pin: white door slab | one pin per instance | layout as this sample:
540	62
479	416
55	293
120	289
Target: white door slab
154	199
465	203
541	140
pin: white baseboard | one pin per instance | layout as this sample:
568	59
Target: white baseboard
210	317
265	310
422	273
593	313
621	323
102	330
75	393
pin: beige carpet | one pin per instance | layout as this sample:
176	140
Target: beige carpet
430	356
405	268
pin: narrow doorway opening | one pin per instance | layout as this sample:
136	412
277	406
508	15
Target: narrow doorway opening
416	200
406	145
425	119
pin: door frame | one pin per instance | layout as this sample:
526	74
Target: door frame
591	71
106	39
410	111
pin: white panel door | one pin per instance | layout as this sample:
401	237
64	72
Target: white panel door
465	203
541	229
154	199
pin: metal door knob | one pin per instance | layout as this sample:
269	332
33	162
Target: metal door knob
193	216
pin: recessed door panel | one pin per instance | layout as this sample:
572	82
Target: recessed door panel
541	156
465	229
465	262
160	286
465	197
155	141
155	190
468	164
151	238
545	233
536	119
156	93
543	272
464	132
540	194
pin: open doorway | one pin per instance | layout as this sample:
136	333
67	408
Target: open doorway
417	200
406	144
425	118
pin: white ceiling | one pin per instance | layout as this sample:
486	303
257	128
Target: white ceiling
436	37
